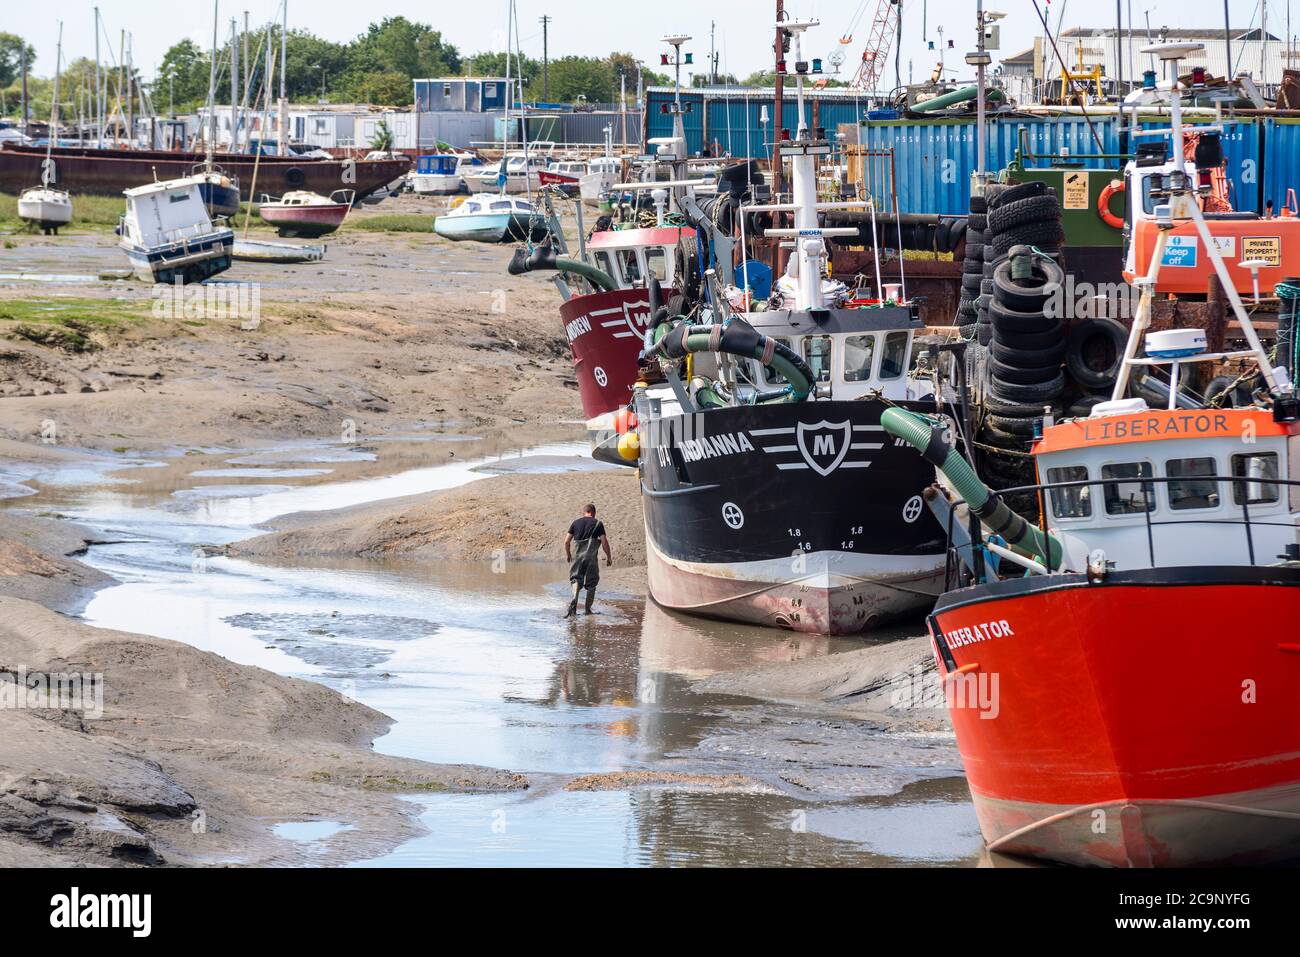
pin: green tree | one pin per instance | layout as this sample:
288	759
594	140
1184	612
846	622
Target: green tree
574	77
11	57
309	60
385	89
183	74
396	45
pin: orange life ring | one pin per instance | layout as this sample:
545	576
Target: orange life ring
1103	204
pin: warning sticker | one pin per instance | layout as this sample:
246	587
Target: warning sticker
1181	251
1076	191
1264	248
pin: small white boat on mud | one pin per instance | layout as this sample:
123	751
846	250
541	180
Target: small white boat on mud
492	218
167	234
522	174
261	251
602	173
45	207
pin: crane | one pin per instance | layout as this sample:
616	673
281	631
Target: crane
881	38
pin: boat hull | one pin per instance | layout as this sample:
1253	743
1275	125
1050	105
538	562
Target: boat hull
308	221
191	261
1142	720
490	228
801	516
107	172
47	213
605	331
221	200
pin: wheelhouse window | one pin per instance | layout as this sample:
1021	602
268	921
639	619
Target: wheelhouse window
631	268
817	353
893	358
1256	468
501	207
606	263
1072	502
657	263
1190	486
1128	497
859	356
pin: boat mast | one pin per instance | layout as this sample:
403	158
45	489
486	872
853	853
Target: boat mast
47	174
212	92
284	73
234	83
99	92
510	96
810	249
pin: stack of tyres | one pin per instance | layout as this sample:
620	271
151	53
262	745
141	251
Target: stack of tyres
971	270
1028	346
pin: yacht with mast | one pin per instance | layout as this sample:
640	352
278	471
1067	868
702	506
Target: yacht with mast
48	207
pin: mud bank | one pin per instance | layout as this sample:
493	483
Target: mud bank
894	682
37	562
512	517
194	759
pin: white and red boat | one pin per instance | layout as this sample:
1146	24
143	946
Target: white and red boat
1123	681
303	213
565	175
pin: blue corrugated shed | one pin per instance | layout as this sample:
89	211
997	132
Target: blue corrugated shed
1281	160
934	159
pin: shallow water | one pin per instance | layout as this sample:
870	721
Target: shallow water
476	666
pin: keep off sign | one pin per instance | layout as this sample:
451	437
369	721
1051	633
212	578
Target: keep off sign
1264	248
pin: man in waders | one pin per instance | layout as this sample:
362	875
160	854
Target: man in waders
582	547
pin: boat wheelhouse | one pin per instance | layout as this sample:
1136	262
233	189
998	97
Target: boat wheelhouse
520	173
167	234
602	173
440	174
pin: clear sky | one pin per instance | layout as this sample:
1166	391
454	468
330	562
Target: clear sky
594	27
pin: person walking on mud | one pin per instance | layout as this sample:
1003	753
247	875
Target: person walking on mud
582	547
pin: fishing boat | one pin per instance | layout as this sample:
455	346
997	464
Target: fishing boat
492	218
46	206
304	213
769	491
168	236
1121	677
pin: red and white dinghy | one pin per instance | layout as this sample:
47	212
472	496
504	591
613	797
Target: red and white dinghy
303	213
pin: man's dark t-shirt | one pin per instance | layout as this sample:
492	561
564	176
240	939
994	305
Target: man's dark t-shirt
587	527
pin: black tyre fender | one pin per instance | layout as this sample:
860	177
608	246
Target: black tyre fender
1081	408
1032	344
1047	235
1047	280
979	204
1001	372
1049	358
1015	321
1014	194
1019	427
1035	209
295	177
1235	395
1095	351
1039	393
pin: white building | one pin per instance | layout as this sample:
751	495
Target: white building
1262	55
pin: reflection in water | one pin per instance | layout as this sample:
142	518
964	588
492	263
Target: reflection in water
478	667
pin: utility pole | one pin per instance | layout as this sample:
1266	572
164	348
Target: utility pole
284	74
777	119
130	90
713	56
546	59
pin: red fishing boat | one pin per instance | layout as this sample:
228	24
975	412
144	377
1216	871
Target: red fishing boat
302	213
1123	678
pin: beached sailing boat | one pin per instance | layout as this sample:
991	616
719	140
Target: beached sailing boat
46	206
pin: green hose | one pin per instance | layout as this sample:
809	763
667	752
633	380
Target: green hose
783	362
928	438
597	277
